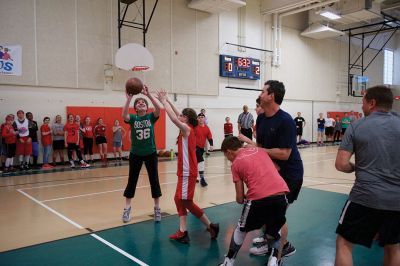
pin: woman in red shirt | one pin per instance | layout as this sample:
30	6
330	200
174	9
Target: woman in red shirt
88	140
71	135
9	135
101	141
45	131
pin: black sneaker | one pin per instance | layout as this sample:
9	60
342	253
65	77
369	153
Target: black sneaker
179	236
203	182
214	230
288	250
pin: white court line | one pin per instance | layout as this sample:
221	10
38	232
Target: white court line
325	183
319	161
81	227
117	190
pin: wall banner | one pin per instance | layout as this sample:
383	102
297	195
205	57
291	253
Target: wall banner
10	60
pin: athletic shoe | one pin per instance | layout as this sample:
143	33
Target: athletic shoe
157	214
288	250
273	261
85	165
179	236
259	240
203	182
227	262
214	230
72	164
126	216
260	249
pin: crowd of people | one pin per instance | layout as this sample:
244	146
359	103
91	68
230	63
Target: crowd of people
20	140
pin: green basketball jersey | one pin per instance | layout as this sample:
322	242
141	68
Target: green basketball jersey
142	134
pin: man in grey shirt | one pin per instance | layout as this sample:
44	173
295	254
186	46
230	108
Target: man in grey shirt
246	123
373	206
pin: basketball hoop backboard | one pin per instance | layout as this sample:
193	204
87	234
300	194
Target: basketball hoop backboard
134	57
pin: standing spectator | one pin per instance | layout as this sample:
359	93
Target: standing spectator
353	117
3	147
320	129
143	150
118	134
246	123
71	136
24	142
33	129
203	133
338	130
329	126
345	122
203	111
300	124
45	131
228	127
101	140
58	140
373	207
80	125
9	135
187	170
88	140
360	115
276	132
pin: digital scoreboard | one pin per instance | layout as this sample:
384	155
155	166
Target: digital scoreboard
239	67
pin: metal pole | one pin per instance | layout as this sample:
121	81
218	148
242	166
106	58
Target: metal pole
144	23
119	24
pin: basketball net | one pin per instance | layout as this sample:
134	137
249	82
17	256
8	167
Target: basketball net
141	69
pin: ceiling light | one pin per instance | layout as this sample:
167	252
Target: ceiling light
329	14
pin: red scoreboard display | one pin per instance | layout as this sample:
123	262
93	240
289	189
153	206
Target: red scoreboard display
239	67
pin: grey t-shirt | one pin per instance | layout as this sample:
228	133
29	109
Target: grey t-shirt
58	128
117	135
375	141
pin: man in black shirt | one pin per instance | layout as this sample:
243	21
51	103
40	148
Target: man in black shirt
300	123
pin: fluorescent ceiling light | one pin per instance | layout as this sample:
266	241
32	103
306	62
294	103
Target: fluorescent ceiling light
329	14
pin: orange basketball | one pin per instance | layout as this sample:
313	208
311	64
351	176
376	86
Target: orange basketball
134	86
167	153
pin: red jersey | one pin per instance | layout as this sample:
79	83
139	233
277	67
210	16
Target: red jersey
228	128
72	132
88	131
255	168
202	134
8	133
46	139
187	166
100	130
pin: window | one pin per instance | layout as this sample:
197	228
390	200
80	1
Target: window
387	67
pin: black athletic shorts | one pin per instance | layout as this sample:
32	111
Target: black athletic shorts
329	131
299	131
269	211
359	225
199	154
343	131
58	144
11	148
101	140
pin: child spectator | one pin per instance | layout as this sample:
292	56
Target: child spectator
118	133
58	140
101	141
265	201
71	135
9	135
88	140
203	133
320	129
33	129
228	127
24	142
338	130
45	131
187	172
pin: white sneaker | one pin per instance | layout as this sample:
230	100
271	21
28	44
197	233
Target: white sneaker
126	216
273	261
227	262
260	250
259	240
157	214
85	165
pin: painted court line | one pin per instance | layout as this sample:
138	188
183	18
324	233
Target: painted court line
81	227
118	190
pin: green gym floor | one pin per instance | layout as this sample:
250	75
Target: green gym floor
312	222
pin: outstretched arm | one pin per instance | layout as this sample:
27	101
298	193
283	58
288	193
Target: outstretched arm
153	100
173	115
125	110
176	111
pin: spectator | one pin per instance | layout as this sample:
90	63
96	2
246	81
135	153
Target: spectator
300	124
45	132
246	123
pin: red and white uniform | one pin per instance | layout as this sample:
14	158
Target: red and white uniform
8	134
46	139
88	131
187	166
203	133
100	130
72	133
25	147
228	128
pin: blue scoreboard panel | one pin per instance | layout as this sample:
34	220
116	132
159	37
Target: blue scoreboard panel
239	67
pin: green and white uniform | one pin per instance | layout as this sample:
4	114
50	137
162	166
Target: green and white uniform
142	134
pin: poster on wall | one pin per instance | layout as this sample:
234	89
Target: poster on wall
10	60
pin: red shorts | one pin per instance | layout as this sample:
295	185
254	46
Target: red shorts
185	187
24	148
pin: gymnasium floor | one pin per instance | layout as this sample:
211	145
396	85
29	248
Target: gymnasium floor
74	217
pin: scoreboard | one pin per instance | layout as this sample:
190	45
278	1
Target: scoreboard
239	67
